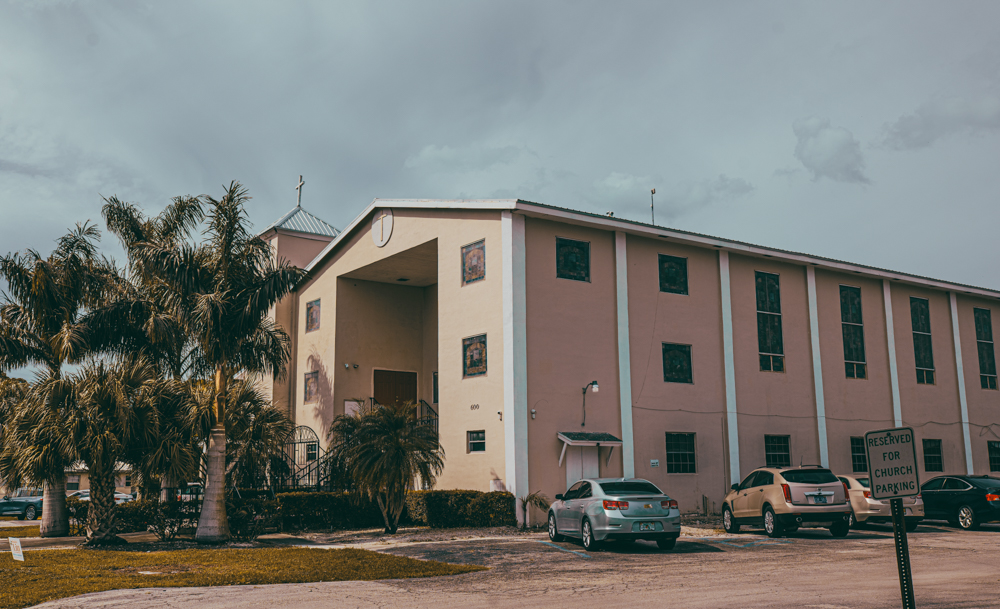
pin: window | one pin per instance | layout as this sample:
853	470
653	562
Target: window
859	458
854	333
920	318
764	479
312	316
748	481
474	262
676	363
984	343
128	480
573	492
435	393
474	356
73	482
994	450
673	274
477	441
769	342
630	488
776	453
932	456
680	453
311	391
572	259
312	451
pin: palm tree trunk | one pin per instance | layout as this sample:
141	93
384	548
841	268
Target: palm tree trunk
55	517
213	525
101	513
166	488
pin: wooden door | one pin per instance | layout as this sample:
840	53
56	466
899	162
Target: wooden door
395	387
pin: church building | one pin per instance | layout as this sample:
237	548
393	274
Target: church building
553	344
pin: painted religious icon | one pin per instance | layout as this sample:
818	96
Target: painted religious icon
474	262
312	387
312	316
572	259
474	356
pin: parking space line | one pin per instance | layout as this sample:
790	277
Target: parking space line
549	543
757	542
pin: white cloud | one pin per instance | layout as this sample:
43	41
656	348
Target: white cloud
445	159
830	152
942	117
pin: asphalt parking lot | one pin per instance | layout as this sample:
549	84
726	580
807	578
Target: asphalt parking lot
952	568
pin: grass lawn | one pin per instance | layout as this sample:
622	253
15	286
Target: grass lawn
50	574
28	531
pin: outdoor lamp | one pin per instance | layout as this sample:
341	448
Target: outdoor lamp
585	387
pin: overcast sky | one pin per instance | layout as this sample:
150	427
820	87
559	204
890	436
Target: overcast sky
867	132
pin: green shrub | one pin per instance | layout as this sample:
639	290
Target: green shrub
441	509
134	516
77	515
493	509
248	518
328	511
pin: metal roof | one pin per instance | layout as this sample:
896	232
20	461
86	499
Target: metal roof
587	437
301	221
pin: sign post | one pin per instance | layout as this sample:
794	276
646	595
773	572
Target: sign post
892	467
15	548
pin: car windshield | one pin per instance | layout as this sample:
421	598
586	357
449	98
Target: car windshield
25	492
809	476
986	482
863	482
629	488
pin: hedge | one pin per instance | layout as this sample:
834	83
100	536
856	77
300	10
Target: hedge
450	509
328	511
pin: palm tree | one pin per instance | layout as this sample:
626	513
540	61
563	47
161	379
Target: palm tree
12	391
220	292
385	449
39	326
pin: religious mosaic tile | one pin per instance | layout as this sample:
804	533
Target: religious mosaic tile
312	316
311	392
474	262
572	259
673	274
474	356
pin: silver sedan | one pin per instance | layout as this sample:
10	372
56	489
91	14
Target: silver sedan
615	508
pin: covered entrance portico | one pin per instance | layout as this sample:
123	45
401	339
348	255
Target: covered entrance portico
581	451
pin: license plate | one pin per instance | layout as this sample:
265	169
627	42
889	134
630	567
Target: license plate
647	526
819	499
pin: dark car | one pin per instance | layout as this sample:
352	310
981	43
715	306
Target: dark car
26	504
966	501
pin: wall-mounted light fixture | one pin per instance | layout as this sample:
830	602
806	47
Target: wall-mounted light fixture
347	366
355	366
500	414
532	413
585	388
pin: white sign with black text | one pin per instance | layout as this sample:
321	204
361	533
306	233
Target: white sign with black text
15	548
892	463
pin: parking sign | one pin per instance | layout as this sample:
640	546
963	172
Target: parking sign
892	463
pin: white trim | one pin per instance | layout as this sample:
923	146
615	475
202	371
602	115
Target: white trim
890	335
730	368
960	372
515	368
824	451
624	358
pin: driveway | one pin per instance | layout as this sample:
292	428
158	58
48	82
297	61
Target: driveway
951	569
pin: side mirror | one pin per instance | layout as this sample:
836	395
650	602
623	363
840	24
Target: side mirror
735	487
559	497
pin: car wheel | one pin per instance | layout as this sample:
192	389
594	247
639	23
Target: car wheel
589	543
553	531
840	529
911	525
30	513
666	544
967	518
771	526
729	522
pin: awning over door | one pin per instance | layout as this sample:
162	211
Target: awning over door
587	438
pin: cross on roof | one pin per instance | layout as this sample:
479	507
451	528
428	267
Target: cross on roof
299	189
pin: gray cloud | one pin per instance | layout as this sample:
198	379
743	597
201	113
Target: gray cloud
631	193
829	152
445	159
940	118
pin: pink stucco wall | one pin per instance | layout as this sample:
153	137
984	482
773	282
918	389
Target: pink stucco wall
571	340
932	410
984	404
657	406
778	403
853	406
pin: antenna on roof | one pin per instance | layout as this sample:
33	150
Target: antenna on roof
652	213
299	189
